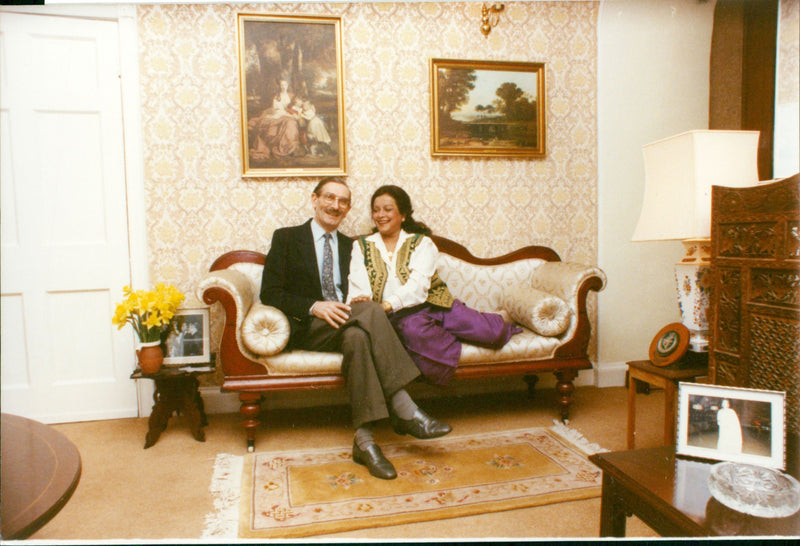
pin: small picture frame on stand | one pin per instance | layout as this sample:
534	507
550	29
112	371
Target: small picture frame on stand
187	339
669	345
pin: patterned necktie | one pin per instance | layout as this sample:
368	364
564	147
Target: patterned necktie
328	288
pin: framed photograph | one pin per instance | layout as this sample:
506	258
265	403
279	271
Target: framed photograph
669	345
187	339
732	424
487	108
292	104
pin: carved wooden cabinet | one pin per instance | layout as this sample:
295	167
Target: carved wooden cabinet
755	300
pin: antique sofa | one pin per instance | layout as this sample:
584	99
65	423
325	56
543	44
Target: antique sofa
532	286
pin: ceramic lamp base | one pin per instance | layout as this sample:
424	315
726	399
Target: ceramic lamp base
691	276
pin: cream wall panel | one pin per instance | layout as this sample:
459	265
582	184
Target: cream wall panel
654	66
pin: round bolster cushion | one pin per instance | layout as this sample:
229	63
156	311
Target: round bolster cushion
265	330
544	313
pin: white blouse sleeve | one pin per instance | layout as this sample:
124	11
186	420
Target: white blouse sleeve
358	280
422	266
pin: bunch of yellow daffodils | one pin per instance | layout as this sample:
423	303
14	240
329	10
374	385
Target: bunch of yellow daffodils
147	311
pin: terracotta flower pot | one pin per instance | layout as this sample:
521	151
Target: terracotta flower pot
150	357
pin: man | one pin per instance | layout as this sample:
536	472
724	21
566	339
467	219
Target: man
308	282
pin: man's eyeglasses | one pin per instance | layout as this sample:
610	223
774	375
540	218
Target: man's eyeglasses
329	199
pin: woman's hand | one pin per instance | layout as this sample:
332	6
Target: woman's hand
386	306
360	299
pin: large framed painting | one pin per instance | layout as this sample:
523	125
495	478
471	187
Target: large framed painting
292	104
487	108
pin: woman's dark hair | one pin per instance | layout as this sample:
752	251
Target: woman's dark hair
404	206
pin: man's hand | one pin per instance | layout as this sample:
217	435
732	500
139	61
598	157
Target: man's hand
334	313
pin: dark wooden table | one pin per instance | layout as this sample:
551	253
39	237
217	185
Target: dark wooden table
40	471
176	391
671	495
666	377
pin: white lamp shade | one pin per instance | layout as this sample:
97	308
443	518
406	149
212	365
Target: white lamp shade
679	173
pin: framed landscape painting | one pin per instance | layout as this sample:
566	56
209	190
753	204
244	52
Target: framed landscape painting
292	104
487	108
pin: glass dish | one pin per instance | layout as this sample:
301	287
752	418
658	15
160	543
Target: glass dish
754	490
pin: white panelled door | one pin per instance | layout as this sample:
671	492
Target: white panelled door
63	222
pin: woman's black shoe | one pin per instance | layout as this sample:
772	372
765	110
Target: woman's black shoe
372	457
420	426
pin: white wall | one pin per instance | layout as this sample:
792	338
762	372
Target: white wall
653	82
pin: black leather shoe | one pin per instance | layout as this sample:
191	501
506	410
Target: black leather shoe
378	465
420	426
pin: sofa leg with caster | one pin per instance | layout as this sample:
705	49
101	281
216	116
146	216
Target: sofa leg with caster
531	380
250	410
565	387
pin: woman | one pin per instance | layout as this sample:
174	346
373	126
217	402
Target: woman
730	429
276	129
396	266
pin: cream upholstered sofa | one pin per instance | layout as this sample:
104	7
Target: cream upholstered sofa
531	285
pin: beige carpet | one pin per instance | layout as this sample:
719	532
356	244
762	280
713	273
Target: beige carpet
131	494
289	494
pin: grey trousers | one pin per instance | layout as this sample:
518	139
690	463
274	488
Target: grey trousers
375	364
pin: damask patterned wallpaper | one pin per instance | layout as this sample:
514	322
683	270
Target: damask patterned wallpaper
198	205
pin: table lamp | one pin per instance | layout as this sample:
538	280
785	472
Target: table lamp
679	173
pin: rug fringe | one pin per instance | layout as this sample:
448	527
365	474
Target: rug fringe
576	438
225	488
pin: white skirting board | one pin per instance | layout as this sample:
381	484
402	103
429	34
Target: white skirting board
611	374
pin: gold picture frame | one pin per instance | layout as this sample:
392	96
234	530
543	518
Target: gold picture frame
487	108
292	96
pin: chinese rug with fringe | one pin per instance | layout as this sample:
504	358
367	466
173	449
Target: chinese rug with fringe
292	494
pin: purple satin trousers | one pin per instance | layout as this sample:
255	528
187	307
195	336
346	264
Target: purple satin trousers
433	336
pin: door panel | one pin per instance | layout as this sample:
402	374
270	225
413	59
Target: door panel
64	221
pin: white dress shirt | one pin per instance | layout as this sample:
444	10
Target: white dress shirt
319	245
422	266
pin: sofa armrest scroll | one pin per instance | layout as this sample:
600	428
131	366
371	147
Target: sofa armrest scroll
233	282
233	291
572	282
564	279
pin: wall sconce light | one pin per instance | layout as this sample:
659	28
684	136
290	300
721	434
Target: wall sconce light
490	16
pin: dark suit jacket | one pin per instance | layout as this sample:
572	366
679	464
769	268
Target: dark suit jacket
291	276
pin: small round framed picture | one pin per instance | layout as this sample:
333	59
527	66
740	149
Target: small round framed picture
669	345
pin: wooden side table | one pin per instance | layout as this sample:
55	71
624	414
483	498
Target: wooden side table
666	378
670	494
176	391
39	470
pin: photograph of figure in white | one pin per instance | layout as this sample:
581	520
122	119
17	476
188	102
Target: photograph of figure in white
185	337
174	341
730	425
730	430
318	139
